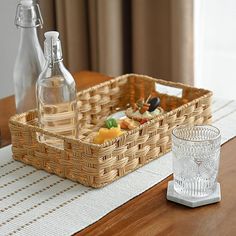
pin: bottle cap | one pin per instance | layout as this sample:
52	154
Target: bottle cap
51	35
28	15
52	46
26	2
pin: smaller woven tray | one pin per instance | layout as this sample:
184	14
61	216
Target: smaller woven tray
97	165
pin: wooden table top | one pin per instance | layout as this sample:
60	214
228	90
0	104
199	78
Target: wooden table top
150	213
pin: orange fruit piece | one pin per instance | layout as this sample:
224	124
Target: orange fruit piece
105	134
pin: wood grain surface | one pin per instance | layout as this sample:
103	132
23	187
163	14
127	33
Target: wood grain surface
150	213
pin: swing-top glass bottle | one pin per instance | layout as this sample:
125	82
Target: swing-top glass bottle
56	93
30	59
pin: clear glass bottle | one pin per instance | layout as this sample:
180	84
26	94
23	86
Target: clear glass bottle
30	59
56	93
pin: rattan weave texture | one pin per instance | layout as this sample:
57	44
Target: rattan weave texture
97	165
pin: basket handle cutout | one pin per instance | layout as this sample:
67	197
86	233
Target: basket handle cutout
50	139
169	90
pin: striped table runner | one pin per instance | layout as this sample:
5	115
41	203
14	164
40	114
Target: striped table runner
33	202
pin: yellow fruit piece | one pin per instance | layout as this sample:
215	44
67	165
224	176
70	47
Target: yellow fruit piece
105	134
98	140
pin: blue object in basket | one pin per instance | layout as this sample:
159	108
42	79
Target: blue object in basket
118	115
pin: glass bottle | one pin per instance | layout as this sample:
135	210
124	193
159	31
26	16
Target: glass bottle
56	93
30	59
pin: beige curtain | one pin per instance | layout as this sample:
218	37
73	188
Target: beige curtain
153	37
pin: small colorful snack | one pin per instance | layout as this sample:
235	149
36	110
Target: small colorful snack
144	111
111	122
128	124
111	131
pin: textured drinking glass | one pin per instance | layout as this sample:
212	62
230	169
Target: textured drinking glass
196	155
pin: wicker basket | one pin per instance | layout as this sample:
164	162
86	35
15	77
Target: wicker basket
97	165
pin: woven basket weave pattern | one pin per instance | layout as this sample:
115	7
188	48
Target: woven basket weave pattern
97	165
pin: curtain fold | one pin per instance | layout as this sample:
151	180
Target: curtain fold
114	37
182	41
151	38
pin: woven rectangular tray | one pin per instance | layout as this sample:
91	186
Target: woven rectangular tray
97	165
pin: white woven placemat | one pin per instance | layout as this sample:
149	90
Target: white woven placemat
33	202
